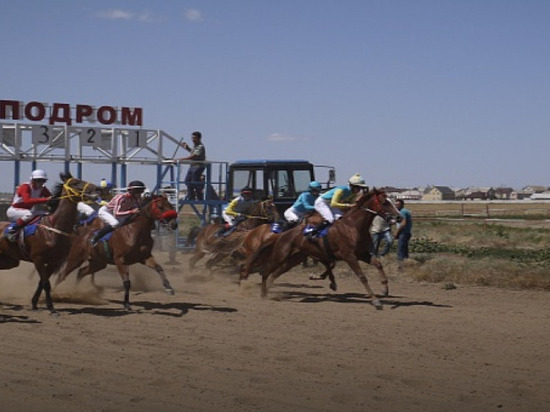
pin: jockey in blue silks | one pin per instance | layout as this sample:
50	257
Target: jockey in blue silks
332	204
303	204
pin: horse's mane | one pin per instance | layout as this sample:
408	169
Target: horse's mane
367	195
146	200
56	196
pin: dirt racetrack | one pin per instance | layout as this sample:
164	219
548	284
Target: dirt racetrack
215	346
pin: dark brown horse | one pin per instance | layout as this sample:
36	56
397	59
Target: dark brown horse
209	242
348	239
48	247
129	244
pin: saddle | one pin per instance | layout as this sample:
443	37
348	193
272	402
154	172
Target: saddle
28	230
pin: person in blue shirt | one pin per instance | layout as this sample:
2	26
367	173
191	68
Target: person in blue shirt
403	233
331	205
303	204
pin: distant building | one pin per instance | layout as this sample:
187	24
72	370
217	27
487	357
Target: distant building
439	193
527	192
535	189
540	196
410	194
503	193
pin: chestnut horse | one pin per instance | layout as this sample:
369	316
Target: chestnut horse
129	244
49	245
348	239
257	244
209	242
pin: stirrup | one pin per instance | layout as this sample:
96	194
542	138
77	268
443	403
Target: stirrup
11	236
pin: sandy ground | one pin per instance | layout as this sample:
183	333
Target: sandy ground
215	346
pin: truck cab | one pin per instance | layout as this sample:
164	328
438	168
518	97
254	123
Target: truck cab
282	180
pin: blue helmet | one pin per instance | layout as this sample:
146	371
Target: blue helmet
314	185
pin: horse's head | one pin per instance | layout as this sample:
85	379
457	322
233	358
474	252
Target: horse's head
268	209
74	189
159	208
377	202
79	190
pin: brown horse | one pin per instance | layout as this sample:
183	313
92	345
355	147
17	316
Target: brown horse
208	241
129	244
48	247
348	239
257	244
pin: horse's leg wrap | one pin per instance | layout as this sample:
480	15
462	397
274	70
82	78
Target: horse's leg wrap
127	285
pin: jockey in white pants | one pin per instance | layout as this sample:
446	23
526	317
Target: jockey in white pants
119	209
332	204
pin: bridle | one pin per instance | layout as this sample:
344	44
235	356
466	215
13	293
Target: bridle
73	194
162	216
378	202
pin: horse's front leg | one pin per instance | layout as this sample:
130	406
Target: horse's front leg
354	265
44	285
384	279
328	271
214	260
198	254
124	272
152	263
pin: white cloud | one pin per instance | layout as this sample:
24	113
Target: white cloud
115	14
193	15
118	14
278	137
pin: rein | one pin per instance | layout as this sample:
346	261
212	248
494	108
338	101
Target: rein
72	193
53	229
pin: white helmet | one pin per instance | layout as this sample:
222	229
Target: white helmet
357	180
39	174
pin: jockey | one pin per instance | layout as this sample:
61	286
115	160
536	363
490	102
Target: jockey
27	202
332	204
106	195
237	209
106	191
303	204
120	210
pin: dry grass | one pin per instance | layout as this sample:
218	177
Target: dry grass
490	209
466	252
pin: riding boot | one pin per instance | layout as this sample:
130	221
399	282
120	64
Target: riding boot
316	231
100	233
229	231
11	234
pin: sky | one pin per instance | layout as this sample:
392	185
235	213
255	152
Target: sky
407	93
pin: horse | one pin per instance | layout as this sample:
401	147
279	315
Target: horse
257	246
209	241
128	244
347	239
46	244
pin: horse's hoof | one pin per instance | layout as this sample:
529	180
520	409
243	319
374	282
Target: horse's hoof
317	277
377	304
170	291
127	307
333	286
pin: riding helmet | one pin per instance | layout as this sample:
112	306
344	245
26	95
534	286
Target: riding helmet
39	174
136	184
314	185
357	180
